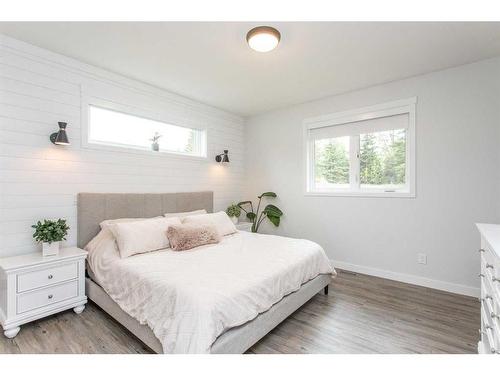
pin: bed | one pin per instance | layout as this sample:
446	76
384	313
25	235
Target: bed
93	208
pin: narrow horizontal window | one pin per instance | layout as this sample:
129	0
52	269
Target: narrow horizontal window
367	152
112	128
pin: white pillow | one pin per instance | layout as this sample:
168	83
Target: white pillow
219	219
184	214
136	237
105	223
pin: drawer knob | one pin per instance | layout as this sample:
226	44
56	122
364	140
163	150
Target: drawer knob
50	296
481	250
481	275
489	265
493	350
50	277
493	278
493	315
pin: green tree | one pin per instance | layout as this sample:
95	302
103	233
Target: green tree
334	164
190	142
395	159
400	156
369	161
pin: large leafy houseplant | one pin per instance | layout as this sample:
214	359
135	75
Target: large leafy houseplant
270	212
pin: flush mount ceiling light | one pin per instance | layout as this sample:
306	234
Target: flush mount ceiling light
263	38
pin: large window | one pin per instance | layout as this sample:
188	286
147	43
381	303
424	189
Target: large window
107	127
366	152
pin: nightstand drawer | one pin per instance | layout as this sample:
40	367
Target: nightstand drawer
36	279
47	296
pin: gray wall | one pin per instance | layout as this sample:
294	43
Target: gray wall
458	176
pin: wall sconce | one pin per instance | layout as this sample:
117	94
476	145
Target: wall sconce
60	137
222	158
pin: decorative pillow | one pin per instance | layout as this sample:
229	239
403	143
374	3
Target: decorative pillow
184	214
219	219
187	236
136	237
105	223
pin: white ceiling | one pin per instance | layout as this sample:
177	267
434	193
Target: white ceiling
212	63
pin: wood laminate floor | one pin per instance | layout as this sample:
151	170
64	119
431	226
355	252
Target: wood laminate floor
362	314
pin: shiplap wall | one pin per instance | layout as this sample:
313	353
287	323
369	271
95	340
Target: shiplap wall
38	88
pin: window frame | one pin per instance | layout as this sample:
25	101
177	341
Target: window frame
404	106
131	110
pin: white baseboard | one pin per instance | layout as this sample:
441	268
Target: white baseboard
410	279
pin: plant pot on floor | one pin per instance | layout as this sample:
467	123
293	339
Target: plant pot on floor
49	249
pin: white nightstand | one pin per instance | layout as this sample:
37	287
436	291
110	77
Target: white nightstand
244	226
33	286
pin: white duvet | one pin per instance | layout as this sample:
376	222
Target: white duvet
189	298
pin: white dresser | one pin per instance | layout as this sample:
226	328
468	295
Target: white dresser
33	286
490	288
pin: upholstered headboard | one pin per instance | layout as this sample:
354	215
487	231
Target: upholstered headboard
96	207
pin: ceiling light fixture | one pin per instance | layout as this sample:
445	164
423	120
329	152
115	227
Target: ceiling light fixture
263	38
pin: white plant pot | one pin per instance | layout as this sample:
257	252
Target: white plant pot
49	249
234	219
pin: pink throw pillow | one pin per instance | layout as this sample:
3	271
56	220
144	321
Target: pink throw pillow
188	236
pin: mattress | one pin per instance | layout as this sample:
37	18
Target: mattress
190	298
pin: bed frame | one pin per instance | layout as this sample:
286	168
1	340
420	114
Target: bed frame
96	207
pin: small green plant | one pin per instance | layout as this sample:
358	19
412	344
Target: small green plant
271	212
155	138
50	230
155	146
233	211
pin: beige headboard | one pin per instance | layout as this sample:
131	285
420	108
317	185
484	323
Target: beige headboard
96	207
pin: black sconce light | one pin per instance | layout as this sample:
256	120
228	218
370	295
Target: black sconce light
60	137
222	158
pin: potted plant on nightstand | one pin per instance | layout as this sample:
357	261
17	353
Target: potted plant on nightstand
234	212
50	233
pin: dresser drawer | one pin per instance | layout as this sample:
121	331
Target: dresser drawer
491	283
36	279
488	342
46	296
490	260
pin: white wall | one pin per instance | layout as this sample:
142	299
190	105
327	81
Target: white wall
39	180
458	175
